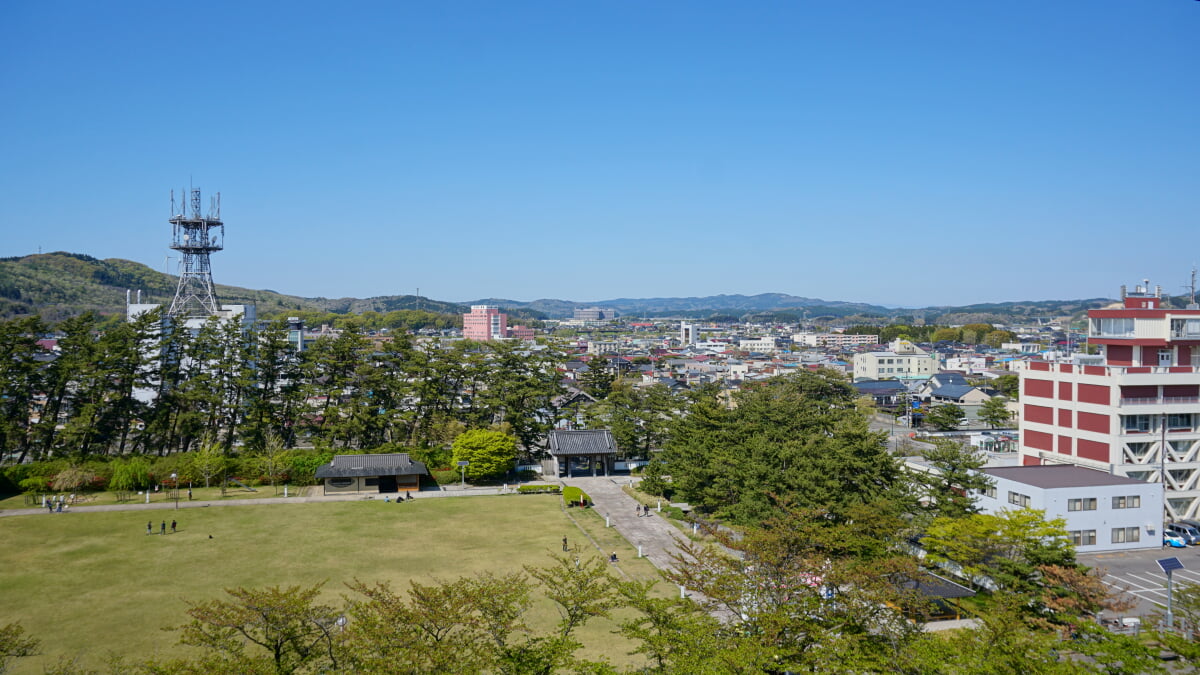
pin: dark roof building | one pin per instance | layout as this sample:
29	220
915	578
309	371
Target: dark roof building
371	473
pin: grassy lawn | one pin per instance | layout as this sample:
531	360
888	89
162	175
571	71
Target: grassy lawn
88	584
86	499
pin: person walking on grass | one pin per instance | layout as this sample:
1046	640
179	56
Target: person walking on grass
150	527
172	527
564	544
164	528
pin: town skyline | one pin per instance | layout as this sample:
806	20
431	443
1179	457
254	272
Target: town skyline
938	155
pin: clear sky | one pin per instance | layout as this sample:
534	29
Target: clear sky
906	153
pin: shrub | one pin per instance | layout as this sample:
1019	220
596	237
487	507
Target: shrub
573	495
538	489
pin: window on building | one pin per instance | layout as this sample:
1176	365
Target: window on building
1112	327
1139	450
1083	504
990	492
1124	535
371	482
1185	328
1136	423
1083	537
1179	421
341	482
1018	499
1127	502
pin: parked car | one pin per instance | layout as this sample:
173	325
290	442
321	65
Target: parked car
1190	535
1173	540
1188	521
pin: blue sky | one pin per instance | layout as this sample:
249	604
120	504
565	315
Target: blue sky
907	153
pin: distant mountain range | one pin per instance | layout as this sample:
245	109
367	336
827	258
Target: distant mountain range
57	285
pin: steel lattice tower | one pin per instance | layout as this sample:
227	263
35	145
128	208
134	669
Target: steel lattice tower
195	237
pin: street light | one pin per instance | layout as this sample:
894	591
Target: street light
175	488
462	465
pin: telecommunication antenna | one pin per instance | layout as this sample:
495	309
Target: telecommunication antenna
195	237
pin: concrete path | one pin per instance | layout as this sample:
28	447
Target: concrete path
658	538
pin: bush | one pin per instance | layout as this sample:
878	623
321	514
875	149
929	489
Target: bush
674	512
539	489
573	496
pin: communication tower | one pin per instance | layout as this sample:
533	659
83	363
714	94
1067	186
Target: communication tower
195	237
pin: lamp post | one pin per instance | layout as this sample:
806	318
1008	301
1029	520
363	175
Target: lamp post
175	489
462	465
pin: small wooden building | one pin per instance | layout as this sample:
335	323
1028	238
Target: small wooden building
587	451
394	472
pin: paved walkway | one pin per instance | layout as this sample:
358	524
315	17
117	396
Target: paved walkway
659	539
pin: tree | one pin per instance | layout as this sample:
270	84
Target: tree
208	461
1008	384
598	380
14	644
973	333
997	338
1007	546
946	335
994	412
798	598
945	417
581	590
491	453
955	476
797	434
269	459
130	474
287	623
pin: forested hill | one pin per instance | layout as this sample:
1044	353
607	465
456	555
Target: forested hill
58	285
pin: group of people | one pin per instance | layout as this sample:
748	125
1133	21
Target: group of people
643	510
57	504
406	497
163	529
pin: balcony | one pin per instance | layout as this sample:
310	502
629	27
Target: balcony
1161	400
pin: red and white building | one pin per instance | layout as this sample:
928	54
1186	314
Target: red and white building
1133	410
485	322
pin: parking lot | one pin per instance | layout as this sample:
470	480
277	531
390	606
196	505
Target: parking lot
1138	574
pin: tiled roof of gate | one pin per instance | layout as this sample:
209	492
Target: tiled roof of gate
592	442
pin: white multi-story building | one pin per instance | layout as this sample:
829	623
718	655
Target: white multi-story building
1133	410
1103	512
902	361
834	340
766	345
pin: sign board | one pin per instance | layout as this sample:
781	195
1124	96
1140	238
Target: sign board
464	463
1169	565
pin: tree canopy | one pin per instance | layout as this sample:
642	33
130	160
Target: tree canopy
799	435
491	453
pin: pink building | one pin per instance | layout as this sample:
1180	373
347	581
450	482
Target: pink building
1134	410
485	322
521	332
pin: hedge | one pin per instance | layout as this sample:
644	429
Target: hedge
573	495
538	489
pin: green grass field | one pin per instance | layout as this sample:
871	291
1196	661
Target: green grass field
199	493
87	584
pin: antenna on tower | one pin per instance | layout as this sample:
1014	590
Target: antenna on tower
195	237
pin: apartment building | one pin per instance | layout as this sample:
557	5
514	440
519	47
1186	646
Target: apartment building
1133	410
